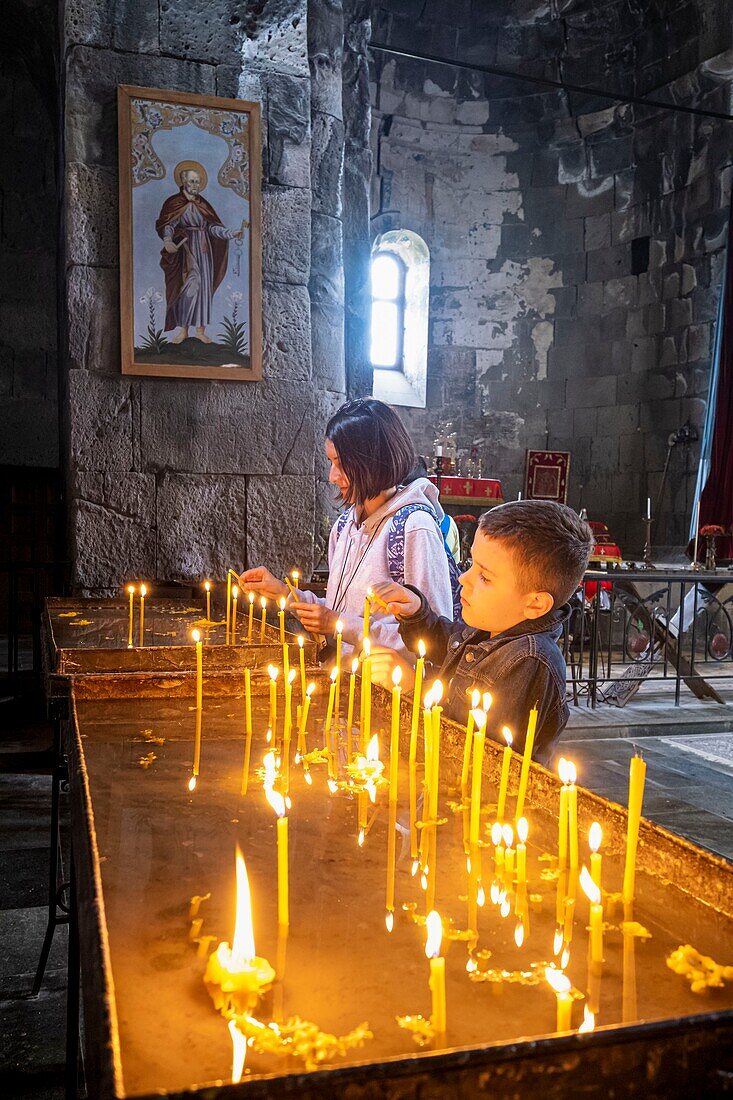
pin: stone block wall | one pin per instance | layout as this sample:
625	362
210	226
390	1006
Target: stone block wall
576	246
28	223
175	478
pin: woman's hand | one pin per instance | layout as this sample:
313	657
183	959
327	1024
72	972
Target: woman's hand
315	617
396	599
261	581
384	661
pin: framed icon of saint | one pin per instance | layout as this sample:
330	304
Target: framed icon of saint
190	235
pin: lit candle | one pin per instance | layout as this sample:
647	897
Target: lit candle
414	730
277	802
526	760
235	596
434	939
247	728
394	763
522	833
592	892
229	602
131	594
207	589
251	618
327	726
287	729
350	708
281	619
467	746
560	983
637	778
301	656
427	776
504	781
648	507
272	672
562	817
199	669
479	736
143	594
572	816
595	836
263	605
302	745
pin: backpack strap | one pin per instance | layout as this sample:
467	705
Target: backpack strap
396	551
342	521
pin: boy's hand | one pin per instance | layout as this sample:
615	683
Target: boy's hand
315	617
384	661
399	601
261	581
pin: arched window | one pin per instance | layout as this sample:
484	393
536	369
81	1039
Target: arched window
399	320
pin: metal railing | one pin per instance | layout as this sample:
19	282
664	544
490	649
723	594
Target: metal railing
23	588
631	627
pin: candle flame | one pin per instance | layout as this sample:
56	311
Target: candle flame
507	734
361	838
276	800
251	597
479	719
389	920
235	591
565	957
487	700
333	674
396	675
371	790
494	893
296	576
239	1052
421	649
355	666
562	770
131	589
243	942
508	836
595	836
310	689
437	692
557	941
272	672
207	586
143	590
590	889
332	786
589	1020
424	879
339	627
270	767
522	830
291	676
196	635
192	783
496	833
475	698
481	897
415	866
557	981
572	772
505	906
366	647
373	750
300	640
308	778
434	928
263	602
427	700
268	736
471	965
468	865
519	933
281	603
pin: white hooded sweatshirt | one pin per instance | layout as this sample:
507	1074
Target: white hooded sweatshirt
357	559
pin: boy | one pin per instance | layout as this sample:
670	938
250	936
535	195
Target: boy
528	559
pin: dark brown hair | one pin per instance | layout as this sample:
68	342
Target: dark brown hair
549	542
373	446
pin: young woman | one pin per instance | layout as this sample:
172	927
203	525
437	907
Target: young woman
390	518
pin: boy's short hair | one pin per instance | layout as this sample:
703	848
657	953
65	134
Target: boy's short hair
549	542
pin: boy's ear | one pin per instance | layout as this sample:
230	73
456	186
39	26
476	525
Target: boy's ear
538	604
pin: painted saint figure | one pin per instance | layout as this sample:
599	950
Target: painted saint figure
195	252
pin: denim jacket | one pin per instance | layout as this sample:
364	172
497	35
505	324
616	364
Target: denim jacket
520	667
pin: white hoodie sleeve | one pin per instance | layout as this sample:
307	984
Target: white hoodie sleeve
426	563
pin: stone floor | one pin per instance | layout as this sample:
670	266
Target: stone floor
689	753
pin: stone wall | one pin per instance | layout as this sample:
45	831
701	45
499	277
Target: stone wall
28	222
576	246
175	478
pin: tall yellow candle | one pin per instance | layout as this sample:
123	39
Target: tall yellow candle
327	740
479	736
229	603
438	1017
272	672
235	597
367	611
287	729
394	763
199	669
350	709
522	833
560	983
281	619
251	616
562	817
593	894
435	714
508	834
366	685
207	589
504	781
143	594
427	776
247	728
301	658
467	748
131	594
196	750
412	757
263	621
302	731
526	760
637	778
595	836
286	664
572	817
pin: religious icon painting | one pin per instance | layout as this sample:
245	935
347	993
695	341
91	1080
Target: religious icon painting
190	246
546	475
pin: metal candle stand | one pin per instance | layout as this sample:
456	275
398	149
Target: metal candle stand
647	559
